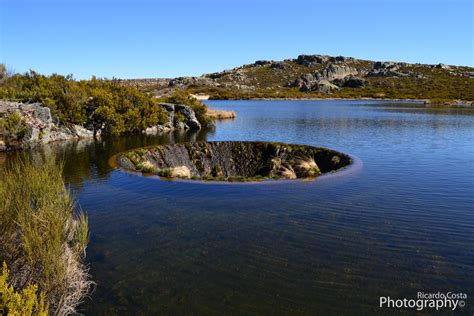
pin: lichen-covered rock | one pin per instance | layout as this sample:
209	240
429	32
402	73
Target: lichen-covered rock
350	82
308	60
180	117
33	125
391	69
324	86
234	160
325	80
333	72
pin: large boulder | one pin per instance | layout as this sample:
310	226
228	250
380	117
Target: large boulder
333	72
350	82
308	60
324	86
443	66
304	82
325	79
262	62
180	113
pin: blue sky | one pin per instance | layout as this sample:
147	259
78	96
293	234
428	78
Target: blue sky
144	39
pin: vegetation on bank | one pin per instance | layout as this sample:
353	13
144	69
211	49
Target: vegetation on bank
97	104
43	241
13	127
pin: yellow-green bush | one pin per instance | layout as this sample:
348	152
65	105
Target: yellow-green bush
21	303
104	104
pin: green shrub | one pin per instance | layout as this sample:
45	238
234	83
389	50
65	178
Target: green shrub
179	117
167	173
13	126
105	104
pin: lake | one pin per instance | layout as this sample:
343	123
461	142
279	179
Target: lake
400	221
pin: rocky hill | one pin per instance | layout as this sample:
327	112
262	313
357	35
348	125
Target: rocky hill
320	76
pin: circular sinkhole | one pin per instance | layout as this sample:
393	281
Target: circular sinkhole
233	161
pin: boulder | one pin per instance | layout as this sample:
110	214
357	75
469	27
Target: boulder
386	65
278	65
323	80
308	60
181	172
333	72
340	59
442	66
324	86
262	62
350	82
304	82
187	119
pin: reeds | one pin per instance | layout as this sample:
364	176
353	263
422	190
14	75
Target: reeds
43	237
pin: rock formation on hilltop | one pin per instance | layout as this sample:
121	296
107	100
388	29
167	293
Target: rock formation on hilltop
328	76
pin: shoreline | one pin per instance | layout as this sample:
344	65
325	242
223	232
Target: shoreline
425	102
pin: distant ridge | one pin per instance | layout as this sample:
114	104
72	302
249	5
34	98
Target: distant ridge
322	76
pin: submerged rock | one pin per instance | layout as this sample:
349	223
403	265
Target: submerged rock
234	161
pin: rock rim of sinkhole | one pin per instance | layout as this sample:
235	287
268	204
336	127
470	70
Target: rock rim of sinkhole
233	161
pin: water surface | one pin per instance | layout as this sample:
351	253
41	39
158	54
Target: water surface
402	223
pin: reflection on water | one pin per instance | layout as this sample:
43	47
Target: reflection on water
87	159
403	223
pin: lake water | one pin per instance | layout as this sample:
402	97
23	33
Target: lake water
400	222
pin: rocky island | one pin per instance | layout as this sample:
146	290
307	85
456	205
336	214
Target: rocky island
234	161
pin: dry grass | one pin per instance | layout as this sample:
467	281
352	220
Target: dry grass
221	114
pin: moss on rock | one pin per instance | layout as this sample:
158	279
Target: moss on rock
234	161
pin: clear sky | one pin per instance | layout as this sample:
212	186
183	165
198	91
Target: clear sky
143	39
